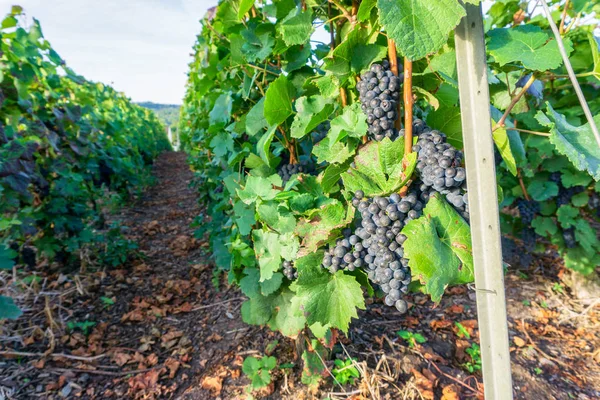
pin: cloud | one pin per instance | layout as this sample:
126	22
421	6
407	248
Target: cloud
141	47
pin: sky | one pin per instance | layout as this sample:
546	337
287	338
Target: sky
140	47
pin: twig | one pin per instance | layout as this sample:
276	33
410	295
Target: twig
528	131
53	355
107	373
217	304
562	19
393	57
347	15
522	184
572	77
515	100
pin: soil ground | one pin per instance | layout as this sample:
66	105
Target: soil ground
164	326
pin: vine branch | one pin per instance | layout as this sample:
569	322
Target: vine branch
393	57
561	29
515	100
572	77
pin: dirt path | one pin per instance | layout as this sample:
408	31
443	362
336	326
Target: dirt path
159	317
164	326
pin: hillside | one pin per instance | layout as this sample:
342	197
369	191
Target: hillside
167	113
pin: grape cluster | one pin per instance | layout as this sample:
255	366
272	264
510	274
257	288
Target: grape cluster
289	271
320	132
348	253
379	93
438	165
286	171
566	194
569	237
528	209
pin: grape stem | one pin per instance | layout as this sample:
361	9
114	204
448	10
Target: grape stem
408	117
393	57
289	145
522	184
343	10
561	28
515	100
528	131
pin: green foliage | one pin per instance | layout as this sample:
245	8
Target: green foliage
66	146
261	95
258	370
474	353
8	308
412	338
345	371
83	326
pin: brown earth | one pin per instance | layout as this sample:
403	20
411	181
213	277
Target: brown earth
165	326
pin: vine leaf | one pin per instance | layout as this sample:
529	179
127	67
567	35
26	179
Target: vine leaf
317	228
259	188
296	29
335	153
447	119
438	247
286	317
245	6
328	298
378	168
419	27
244	217
8	308
255	119
364	10
221	112
526	44
7	257
352	122
311	111
270	248
500	137
278	101
575	142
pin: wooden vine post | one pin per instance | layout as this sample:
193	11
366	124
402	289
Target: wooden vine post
483	204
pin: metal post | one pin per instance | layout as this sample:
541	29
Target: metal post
483	204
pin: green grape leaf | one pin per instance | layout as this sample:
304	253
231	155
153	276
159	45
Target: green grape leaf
577	259
364	10
278	101
264	146
586	237
352	122
574	178
267	247
336	153
317	228
222	143
331	176
541	190
567	215
244	217
438	247
249	284
419	27
8	308
328	298
255	119
286	318
272	284
526	44
278	218
353	55
544	226
258	42
7	257
310	112
245	6
580	199
329	85
447	120
296	29
378	168
259	188
503	145
257	310
221	112
577	143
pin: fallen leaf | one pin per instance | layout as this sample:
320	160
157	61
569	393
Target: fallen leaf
213	383
519	342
